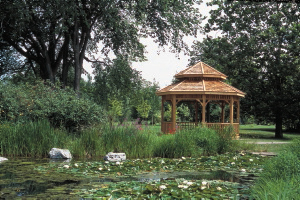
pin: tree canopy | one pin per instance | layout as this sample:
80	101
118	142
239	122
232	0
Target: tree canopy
56	35
259	50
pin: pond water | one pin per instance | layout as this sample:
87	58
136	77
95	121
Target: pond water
19	179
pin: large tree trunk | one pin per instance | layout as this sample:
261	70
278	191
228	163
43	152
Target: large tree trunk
278	120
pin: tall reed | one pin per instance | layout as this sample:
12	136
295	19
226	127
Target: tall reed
30	139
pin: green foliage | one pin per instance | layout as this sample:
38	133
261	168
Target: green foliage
115	109
56	35
33	139
130	139
60	107
184	113
257	49
143	108
281	176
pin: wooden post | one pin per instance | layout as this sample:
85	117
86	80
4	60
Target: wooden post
173	112
162	115
238	111
196	114
231	110
203	108
222	112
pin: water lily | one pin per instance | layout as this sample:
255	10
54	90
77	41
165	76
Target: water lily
251	160
204	183
100	168
162	161
183	186
234	158
76	165
189	183
106	162
232	163
162	187
66	166
118	163
183	158
219	188
203	187
243	170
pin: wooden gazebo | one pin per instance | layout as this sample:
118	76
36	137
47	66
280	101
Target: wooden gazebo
201	84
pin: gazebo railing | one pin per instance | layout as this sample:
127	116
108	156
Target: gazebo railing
166	127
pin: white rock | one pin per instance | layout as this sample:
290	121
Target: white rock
115	157
3	159
57	153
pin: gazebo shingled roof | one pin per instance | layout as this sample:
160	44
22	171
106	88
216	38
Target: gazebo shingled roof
200	79
201	83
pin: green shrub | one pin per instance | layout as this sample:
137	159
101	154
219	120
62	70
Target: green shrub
20	103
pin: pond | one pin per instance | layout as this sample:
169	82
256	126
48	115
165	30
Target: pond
223	176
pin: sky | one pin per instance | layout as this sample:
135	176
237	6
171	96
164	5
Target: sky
163	66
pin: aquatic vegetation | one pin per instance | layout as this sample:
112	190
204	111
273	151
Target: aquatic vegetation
204	177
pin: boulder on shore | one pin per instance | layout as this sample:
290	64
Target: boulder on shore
57	153
115	157
3	159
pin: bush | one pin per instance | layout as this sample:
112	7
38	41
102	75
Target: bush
20	103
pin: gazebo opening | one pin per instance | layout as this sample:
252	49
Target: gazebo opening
202	88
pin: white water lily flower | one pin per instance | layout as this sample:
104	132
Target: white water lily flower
203	187
219	188
76	165
100	168
183	186
117	163
106	162
234	158
243	170
204	183
162	161
162	187
189	183
185	182
183	158
251	160
66	166
108	169
233	163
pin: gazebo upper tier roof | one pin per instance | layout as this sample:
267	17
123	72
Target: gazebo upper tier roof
200	70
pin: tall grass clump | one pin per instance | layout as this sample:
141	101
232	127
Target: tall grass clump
134	142
87	143
30	138
280	178
194	142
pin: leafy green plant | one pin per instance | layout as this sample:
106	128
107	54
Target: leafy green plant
20	103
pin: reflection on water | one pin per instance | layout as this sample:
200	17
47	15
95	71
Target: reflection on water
19	179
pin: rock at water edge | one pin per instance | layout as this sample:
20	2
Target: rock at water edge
57	153
115	157
3	159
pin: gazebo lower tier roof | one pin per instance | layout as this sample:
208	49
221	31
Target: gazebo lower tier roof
201	86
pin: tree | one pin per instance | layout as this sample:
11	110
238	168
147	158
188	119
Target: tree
56	34
258	51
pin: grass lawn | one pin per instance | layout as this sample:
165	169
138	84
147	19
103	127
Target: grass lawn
263	133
